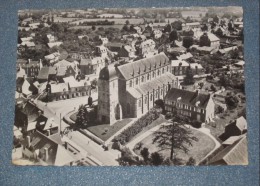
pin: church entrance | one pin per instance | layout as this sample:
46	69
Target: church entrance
118	112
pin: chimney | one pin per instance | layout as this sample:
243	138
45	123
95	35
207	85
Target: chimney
28	139
46	153
197	92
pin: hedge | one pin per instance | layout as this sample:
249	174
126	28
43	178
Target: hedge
137	127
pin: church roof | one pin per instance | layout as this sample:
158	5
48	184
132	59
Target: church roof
151	85
142	66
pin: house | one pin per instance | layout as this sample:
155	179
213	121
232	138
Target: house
214	40
52	58
234	128
77	86
185	56
197	69
26	86
240	64
190	25
157	34
195	105
34	25
235	154
127	51
104	40
45	150
46	73
203	50
114	47
26	113
51	38
101	51
46	126
69	89
179	67
53	44
227	50
91	65
27	21
138	29
31	68
26	39
147	46
29	44
65	72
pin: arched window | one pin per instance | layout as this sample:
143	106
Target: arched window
128	108
130	83
142	79
163	70
153	74
136	81
148	76
167	69
158	72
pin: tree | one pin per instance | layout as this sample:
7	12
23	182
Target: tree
204	40
82	117
174	136
187	42
93	27
127	22
156	159
232	101
204	28
145	153
173	36
191	161
213	88
90	101
177	25
215	19
188	80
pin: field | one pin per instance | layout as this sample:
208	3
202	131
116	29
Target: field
116	20
104	26
63	19
198	151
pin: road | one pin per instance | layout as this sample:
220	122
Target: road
108	158
58	110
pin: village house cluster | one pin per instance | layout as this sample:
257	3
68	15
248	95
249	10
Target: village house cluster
119	71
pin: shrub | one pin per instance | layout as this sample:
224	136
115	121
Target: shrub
196	124
156	159
191	161
145	153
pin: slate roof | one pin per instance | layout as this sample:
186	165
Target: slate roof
235	154
142	66
55	88
188	97
151	85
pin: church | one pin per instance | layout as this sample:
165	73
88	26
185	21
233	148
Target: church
130	90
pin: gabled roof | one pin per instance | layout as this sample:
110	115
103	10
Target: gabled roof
62	63
31	110
185	56
142	66
194	65
241	123
235	154
188	97
57	155
231	140
73	82
45	71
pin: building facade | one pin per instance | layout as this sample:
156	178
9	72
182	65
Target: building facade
129	90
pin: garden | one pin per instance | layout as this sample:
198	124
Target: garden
197	151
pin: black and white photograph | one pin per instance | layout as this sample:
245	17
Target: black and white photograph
130	87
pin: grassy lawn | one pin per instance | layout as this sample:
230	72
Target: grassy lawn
99	129
198	151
